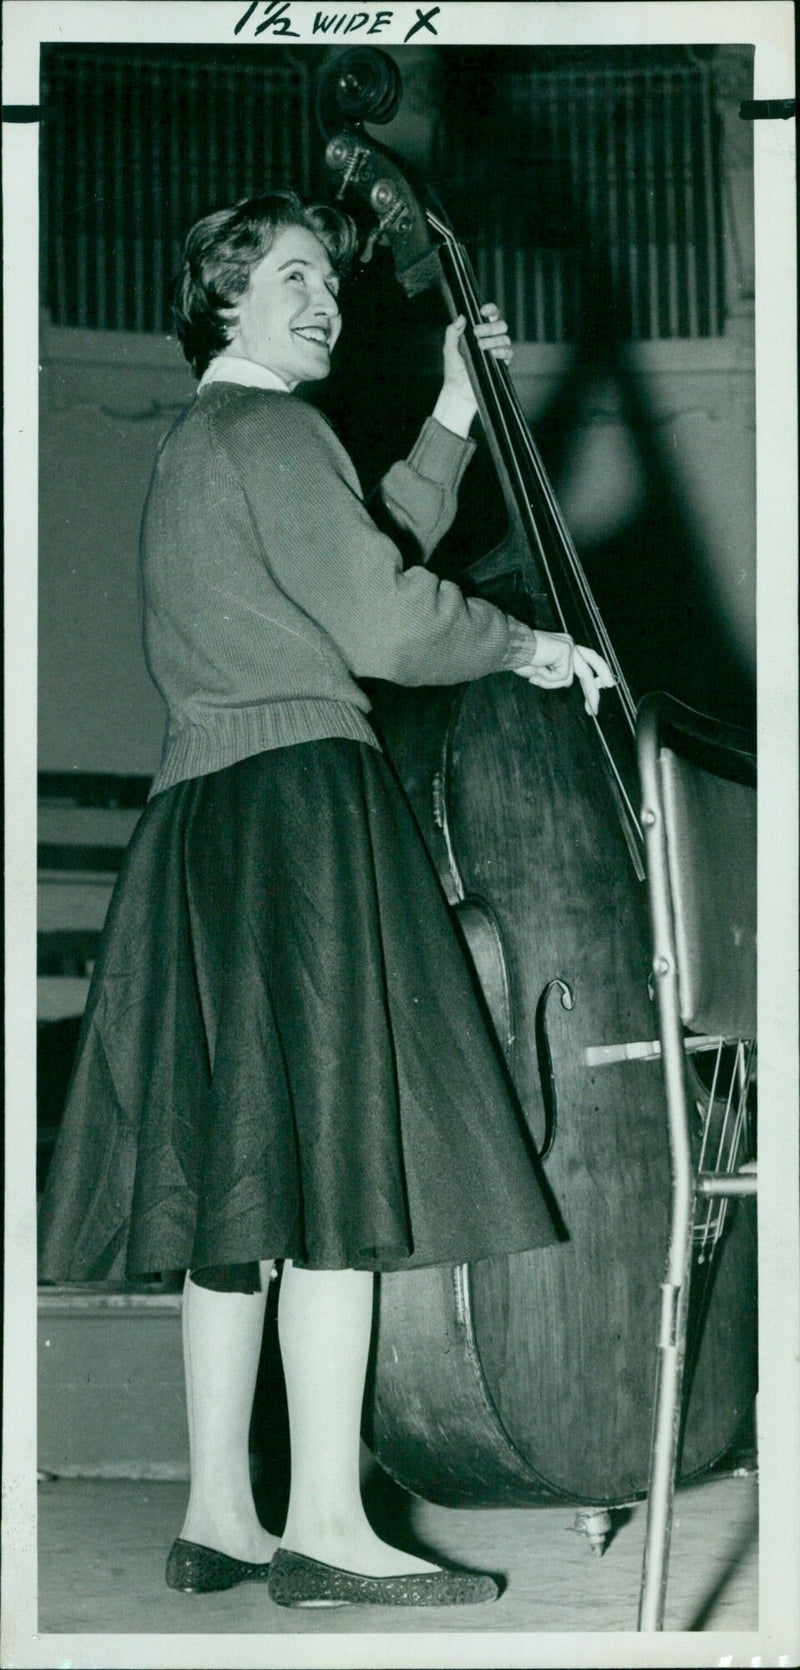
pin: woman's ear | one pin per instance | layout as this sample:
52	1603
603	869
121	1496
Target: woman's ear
230	319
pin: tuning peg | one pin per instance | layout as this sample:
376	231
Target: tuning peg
391	211
383	196
346	157
337	152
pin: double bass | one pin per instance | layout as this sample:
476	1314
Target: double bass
528	1379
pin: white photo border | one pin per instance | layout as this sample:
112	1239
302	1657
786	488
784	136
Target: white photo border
768	26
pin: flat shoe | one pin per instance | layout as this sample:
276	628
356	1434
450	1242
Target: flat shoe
197	1570
294	1580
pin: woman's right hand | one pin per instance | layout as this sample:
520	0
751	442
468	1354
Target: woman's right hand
552	660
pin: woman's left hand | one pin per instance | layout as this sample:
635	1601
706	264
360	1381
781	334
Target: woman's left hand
456	406
492	337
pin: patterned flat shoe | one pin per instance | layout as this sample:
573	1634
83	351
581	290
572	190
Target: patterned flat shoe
295	1580
197	1570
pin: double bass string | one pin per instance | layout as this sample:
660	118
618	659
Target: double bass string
505	395
486	372
725	1161
509	413
708	1234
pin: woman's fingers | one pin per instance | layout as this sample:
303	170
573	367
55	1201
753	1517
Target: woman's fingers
495	340
600	666
493	334
547	678
593	674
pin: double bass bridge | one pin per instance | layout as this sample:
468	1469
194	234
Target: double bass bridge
610	1055
724	1166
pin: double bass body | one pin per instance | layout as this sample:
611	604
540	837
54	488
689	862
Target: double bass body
529	1378
526	1378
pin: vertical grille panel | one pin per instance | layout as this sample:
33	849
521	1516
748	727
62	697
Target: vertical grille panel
590	176
593	175
134	150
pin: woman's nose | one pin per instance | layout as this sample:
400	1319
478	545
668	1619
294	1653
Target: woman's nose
326	303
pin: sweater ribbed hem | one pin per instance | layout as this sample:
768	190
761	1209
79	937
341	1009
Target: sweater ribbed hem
235	733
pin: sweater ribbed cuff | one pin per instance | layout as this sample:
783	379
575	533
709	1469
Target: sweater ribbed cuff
521	646
439	455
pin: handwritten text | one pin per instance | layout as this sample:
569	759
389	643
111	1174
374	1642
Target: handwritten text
275	17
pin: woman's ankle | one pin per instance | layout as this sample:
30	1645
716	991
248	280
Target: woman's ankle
231	1527
252	1543
350	1544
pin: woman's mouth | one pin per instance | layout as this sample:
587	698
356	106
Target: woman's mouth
313	333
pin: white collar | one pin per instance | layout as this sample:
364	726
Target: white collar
231	368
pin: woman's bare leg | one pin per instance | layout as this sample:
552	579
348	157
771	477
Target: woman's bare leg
324	1325
222	1344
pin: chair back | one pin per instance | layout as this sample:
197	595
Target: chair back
706	787
698	785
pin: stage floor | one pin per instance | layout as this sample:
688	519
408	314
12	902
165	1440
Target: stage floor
103	1544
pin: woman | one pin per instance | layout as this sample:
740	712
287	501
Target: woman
266	1069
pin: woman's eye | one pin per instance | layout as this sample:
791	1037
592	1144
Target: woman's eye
297	275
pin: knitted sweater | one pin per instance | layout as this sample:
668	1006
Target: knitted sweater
268	589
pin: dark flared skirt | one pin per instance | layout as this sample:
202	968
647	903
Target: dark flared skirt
284	1054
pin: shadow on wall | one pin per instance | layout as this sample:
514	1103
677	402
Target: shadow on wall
663	592
667	554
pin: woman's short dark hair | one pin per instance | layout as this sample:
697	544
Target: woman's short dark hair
221	251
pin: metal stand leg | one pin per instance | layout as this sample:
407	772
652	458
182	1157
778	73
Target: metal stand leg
663	1459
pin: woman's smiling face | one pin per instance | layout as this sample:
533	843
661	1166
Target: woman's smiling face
288	318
